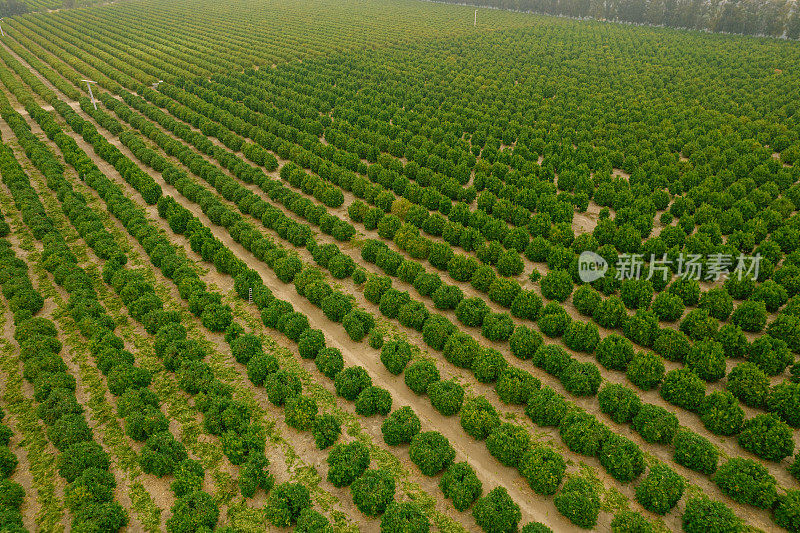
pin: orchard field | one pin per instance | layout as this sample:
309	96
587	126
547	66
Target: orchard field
320	267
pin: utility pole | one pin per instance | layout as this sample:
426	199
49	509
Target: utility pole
1	28
91	95
475	23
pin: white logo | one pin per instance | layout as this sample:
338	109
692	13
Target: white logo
591	267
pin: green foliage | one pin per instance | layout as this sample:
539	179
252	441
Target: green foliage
326	431
655	424
749	384
431	452
508	443
479	418
695	452
619	402
544	469
614	352
373	491
703	514
767	437
546	407
683	388
747	481
787	511
582	433
420	374
721	414
400	427
557	285
404	517
346	462
646	370
621	458
373	400
460	484
579	502
193	512
351	381
497	512
285	504
660	490
447	397
301	411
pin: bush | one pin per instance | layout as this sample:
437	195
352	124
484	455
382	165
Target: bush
614	352
395	355
733	341
695	452
698	325
668	307
479	418
514	386
508	443
703	515
400	427
373	491
497	327
707	359
636	293
683	388
357	323
436	331
524	342
351	381
582	433
254	476
329	362
750	316
488	364
660	491
749	384
767	437
375	288
586	299
746	481
581	378
431	452
260	367
71	464
285	504
373	400
784	401
770	354
543	468
672	345
447	297
510	264
646	370
346	462
281	385
161	454
526	305
631	522
404	517
497	512
655	424
687	289
557	285
472	311
717	302
721	414
787	511
581	337
621	458
546	407
446	397
326	431
619	402
420	374
310	343
193	512
300	412
460	349
310	521
610	313
460	484
579	502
